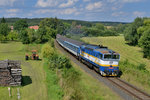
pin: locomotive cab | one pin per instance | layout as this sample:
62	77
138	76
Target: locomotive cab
111	67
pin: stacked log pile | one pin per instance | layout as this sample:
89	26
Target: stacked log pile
10	73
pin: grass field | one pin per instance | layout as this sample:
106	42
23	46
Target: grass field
133	54
117	43
33	73
93	89
39	83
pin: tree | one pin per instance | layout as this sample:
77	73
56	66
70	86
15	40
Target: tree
131	35
41	35
3	20
20	25
54	24
4	29
32	35
24	37
100	26
144	42
50	33
143	28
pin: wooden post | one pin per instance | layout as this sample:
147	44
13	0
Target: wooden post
18	94
9	91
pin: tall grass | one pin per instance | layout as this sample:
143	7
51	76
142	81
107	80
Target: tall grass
54	90
61	66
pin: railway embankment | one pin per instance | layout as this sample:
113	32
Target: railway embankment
125	90
74	82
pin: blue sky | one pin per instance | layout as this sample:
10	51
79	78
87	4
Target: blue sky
90	10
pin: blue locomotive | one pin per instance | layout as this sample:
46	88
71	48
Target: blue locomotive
102	59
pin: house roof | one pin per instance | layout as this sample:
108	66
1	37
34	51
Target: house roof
34	27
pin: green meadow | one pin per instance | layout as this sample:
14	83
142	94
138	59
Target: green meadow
40	83
135	68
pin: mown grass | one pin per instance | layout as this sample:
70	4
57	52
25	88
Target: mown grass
131	60
92	89
34	85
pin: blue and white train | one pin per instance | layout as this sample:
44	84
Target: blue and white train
102	59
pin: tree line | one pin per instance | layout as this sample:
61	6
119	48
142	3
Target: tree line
138	34
48	28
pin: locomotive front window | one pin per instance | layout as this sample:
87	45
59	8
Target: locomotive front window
115	56
107	56
100	56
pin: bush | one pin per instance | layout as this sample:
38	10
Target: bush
141	67
69	76
47	51
2	38
12	36
71	85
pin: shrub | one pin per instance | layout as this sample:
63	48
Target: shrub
12	36
47	51
141	67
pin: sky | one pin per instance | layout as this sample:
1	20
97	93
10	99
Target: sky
88	10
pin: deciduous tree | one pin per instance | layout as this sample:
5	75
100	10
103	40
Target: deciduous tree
144	42
20	25
131	35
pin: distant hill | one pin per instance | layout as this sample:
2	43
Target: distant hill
109	23
36	21
32	21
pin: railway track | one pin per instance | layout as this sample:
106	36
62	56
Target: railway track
130	89
122	88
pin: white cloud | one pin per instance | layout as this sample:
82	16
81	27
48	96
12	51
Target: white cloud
86	0
43	11
117	14
111	1
118	4
138	14
12	10
46	3
7	2
11	15
123	1
95	5
68	4
69	11
130	1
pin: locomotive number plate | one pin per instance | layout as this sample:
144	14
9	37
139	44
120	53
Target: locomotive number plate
111	62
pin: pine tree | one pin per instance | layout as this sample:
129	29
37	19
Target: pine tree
3	20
